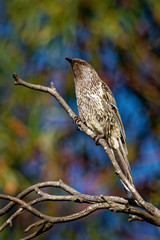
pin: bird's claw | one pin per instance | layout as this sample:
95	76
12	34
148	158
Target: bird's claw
97	138
77	121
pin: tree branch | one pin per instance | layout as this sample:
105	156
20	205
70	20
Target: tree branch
148	206
137	208
111	203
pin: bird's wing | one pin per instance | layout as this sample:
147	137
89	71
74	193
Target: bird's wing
109	98
121	152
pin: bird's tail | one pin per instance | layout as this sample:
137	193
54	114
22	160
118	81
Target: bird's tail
122	160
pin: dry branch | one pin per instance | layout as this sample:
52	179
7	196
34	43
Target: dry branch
111	203
137	208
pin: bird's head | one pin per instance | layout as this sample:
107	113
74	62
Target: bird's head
81	68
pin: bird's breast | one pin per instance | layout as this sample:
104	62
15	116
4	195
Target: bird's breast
91	109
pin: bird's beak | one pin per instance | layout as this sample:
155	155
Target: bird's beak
69	60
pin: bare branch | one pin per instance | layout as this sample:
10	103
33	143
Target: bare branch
75	197
137	208
112	203
148	206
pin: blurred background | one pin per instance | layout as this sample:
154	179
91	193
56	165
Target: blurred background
39	142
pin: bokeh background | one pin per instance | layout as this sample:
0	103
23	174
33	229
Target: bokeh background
39	142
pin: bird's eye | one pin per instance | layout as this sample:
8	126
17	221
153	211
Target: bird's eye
83	63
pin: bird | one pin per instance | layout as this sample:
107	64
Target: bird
97	108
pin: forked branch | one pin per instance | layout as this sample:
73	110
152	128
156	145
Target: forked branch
45	222
137	209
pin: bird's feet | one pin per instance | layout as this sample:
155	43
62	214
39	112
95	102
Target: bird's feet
77	121
98	137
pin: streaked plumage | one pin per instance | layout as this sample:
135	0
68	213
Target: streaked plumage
97	108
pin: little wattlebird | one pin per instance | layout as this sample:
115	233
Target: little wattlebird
98	110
